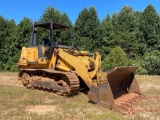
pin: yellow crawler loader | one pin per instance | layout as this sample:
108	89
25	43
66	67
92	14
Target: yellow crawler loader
47	65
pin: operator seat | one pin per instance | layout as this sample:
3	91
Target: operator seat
46	42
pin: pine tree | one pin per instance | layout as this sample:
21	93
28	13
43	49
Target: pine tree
87	29
149	29
55	15
19	37
6	29
50	14
106	42
125	31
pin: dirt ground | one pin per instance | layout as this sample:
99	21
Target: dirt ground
20	103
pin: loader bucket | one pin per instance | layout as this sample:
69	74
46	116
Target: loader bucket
120	91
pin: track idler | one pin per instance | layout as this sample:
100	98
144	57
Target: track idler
117	90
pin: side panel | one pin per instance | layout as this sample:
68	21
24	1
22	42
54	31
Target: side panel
28	55
29	58
78	65
53	59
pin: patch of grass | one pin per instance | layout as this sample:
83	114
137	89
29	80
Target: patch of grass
14	101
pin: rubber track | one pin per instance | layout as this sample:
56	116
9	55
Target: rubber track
72	77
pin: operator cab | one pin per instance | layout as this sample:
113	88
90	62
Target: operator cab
49	35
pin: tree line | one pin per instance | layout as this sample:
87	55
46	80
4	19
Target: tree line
125	38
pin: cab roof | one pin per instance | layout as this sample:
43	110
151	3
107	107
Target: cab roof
48	25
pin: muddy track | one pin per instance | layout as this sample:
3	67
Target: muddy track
60	83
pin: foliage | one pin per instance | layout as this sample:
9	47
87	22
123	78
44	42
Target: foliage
6	29
86	30
152	65
125	36
18	37
152	62
116	58
136	33
106	38
55	15
149	30
138	62
50	14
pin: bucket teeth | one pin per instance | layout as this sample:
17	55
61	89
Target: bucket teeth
142	96
128	101
122	109
127	104
135	100
132	102
139	97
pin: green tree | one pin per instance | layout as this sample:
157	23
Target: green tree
18	38
116	58
61	37
86	29
93	29
81	30
3	30
106	42
157	46
125	36
152	62
115	22
50	14
149	21
126	19
6	29
55	15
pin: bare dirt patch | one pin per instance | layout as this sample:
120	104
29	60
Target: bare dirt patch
42	109
9	79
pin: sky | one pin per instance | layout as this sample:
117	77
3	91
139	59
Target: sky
33	9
